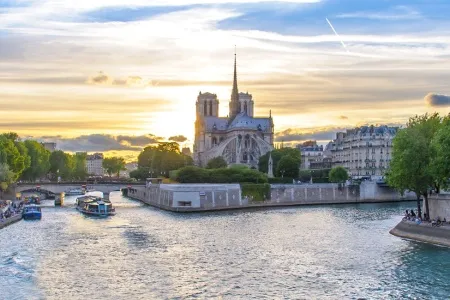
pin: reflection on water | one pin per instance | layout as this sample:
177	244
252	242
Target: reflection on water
322	252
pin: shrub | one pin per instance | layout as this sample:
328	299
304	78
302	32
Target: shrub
192	174
216	163
222	175
256	192
281	180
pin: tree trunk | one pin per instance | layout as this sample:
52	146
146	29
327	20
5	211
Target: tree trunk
427	209
419	209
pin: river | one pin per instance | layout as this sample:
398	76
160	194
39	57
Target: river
314	252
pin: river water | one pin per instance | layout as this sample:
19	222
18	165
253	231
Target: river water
315	252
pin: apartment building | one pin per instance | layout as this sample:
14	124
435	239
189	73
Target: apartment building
364	151
94	164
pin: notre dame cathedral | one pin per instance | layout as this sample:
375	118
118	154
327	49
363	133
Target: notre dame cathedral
239	138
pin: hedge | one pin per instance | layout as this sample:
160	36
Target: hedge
193	174
281	180
256	192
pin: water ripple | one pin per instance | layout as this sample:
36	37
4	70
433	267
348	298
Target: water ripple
326	252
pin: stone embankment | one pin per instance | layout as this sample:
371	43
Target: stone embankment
10	220
423	232
210	197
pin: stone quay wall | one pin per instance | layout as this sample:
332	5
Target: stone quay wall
423	232
439	205
204	197
9	221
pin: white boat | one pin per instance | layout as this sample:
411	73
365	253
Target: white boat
74	192
95	206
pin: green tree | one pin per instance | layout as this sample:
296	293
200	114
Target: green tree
216	162
277	154
163	158
440	145
6	177
79	171
113	165
13	153
411	165
338	175
39	161
139	174
61	165
288	166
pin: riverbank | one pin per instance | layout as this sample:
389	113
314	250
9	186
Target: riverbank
10	220
423	232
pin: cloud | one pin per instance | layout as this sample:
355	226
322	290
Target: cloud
100	78
300	135
397	13
343	117
178	138
101	142
435	100
140	140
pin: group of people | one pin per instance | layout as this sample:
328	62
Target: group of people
411	216
9	209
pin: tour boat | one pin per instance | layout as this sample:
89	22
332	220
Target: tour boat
74	192
95	206
32	212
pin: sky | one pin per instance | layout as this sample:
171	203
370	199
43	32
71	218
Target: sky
111	75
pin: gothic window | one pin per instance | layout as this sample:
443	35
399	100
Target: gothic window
205	108
221	139
210	108
214	141
245	156
245	107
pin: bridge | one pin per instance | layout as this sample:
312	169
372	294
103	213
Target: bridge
53	188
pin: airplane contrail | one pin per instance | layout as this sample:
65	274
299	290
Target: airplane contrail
335	32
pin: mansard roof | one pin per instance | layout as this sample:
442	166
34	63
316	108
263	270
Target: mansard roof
369	130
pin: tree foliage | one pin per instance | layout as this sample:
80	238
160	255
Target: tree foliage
288	166
13	153
277	155
113	165
161	159
216	163
39	161
338	175
411	167
79	171
6	176
61	165
440	145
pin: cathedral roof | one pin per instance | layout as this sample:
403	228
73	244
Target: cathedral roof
242	120
219	123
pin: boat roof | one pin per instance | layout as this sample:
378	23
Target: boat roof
31	205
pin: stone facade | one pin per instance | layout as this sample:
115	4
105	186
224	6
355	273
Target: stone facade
239	138
312	155
94	164
439	206
364	151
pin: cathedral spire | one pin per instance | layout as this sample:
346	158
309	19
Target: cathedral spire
234	103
